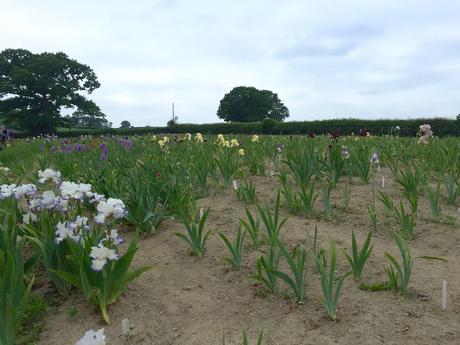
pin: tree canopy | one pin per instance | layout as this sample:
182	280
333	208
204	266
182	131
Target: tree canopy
248	104
34	88
80	119
125	124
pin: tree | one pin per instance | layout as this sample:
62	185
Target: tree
172	123
35	87
80	119
125	124
248	104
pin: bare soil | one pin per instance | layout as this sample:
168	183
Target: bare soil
186	300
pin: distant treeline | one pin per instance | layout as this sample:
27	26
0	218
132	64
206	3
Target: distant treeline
440	127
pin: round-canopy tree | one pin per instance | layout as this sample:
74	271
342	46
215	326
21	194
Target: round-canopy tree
248	104
125	124
81	119
35	87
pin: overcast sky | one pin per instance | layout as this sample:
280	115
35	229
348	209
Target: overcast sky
325	59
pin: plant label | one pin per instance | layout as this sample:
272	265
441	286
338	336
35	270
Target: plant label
125	328
444	295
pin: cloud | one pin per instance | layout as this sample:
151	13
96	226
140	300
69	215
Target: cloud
331	41
324	59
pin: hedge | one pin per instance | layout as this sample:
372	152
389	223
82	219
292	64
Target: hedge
440	126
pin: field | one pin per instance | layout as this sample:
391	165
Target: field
244	233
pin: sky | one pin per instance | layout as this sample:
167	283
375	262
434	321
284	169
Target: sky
325	59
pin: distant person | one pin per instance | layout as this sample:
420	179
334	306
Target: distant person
3	139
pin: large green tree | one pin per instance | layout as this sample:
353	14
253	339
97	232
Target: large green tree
81	119
248	104
125	124
34	88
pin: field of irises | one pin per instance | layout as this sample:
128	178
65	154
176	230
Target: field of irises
195	239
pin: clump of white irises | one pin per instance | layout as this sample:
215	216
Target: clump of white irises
72	229
18	192
425	133
93	338
78	191
6	191
49	175
375	159
345	152
64	197
111	208
101	255
105	251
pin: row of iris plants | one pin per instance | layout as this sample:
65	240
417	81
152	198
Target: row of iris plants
63	203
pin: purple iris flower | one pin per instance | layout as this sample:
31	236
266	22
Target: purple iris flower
363	132
126	143
104	151
335	134
78	147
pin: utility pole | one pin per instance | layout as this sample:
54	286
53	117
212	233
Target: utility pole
173	116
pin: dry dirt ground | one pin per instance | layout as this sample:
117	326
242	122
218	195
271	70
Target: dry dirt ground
186	300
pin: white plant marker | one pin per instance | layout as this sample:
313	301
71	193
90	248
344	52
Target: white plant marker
271	169
378	168
235	187
125	328
201	213
383	181
444	295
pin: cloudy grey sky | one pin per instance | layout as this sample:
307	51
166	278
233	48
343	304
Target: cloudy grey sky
325	59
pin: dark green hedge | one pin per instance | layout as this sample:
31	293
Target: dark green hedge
440	126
